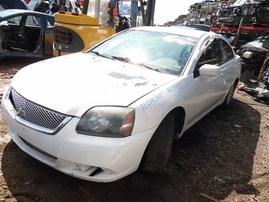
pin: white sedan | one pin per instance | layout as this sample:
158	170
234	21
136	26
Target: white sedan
101	115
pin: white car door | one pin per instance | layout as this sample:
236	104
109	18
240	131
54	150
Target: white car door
205	91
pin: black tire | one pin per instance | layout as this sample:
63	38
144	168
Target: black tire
229	96
159	148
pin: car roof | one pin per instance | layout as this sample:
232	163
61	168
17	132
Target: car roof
198	26
10	12
175	30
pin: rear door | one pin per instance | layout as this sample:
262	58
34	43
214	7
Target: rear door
32	34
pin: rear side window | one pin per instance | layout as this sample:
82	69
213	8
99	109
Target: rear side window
33	21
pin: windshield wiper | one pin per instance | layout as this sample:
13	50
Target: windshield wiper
148	66
96	53
99	54
124	59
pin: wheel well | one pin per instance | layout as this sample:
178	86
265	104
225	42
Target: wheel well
179	115
236	81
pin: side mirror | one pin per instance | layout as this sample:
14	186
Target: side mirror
209	70
4	23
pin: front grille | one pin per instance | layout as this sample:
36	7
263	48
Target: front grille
36	116
62	36
69	40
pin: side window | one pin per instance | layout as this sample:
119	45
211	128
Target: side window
226	51
14	21
209	56
33	21
49	23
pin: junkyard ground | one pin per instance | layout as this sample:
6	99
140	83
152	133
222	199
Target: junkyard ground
224	157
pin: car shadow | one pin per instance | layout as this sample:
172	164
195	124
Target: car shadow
213	158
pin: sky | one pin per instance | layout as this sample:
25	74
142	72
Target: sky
169	10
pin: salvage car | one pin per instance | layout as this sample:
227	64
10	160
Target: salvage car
13	4
254	12
53	6
25	33
253	54
102	114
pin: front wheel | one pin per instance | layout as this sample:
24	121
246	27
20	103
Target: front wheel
159	148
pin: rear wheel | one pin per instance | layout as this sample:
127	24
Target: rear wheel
159	148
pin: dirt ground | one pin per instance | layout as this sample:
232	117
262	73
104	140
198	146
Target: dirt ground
224	157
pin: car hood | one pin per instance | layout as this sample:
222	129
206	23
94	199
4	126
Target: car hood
257	45
74	83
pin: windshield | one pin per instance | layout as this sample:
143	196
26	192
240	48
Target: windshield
159	51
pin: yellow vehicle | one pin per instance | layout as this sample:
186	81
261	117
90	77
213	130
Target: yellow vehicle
75	32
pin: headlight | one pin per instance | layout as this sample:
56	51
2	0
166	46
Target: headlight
248	55
107	122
